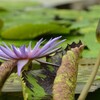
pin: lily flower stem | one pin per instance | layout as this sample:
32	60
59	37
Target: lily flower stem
5	70
90	80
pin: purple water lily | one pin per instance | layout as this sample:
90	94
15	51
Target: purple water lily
23	55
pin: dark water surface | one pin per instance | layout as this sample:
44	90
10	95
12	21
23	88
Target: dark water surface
19	96
11	96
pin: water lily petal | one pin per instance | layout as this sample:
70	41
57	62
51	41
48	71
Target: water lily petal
29	47
29	53
50	52
6	46
35	49
52	47
49	44
37	45
20	65
23	51
16	51
7	52
3	55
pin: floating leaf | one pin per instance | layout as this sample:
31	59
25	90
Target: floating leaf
2	9
17	5
29	31
1	23
91	43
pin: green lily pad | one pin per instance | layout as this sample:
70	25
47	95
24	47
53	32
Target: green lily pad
30	31
17	4
1	23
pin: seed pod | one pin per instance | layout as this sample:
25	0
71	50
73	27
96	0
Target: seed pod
65	81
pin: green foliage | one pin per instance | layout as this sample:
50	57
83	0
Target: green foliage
17	4
50	22
29	31
90	41
1	24
19	24
32	89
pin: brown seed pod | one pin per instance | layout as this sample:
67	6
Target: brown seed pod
65	81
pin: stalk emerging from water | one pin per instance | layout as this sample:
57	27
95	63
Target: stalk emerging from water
6	69
65	81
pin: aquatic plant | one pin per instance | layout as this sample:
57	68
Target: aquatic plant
24	55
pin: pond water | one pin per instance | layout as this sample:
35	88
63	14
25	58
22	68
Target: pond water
18	96
91	96
11	96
